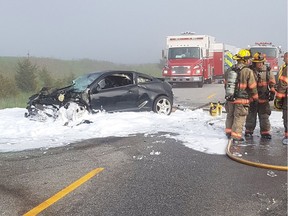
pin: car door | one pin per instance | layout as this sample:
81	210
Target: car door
111	93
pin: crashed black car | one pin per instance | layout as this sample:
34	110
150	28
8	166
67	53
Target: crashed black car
110	91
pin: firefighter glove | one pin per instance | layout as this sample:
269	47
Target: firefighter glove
271	96
278	103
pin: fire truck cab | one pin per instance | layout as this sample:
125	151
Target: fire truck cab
272	54
191	58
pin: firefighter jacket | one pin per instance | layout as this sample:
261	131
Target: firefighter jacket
246	90
265	83
282	84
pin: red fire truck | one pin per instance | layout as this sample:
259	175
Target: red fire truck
191	58
272	54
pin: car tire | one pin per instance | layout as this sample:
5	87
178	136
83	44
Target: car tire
162	105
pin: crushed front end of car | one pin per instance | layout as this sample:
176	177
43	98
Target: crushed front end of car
48	102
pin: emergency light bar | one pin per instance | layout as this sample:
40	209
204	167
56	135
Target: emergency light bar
263	43
190	38
188	33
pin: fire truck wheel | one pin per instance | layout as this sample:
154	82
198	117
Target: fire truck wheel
209	81
162	105
200	84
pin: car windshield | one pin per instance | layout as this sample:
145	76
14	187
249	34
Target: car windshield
82	82
184	53
270	52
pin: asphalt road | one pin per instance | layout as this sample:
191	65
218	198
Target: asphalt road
142	175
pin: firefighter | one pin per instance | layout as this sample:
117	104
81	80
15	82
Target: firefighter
280	101
245	89
266	92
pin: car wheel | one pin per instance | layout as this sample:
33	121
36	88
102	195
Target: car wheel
162	105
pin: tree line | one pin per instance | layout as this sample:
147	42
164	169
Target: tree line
28	78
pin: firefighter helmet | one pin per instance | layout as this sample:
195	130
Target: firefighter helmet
242	54
259	57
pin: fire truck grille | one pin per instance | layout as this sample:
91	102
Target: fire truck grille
180	70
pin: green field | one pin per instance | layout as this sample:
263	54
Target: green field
61	71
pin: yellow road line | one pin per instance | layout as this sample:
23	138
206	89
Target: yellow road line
210	96
63	192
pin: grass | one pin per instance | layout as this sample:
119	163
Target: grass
19	100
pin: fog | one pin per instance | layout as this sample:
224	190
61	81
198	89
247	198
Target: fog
132	31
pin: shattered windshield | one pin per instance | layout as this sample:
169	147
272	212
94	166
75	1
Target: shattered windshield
82	82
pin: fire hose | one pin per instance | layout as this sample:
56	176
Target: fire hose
251	163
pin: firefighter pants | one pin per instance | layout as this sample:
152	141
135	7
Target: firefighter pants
236	117
263	111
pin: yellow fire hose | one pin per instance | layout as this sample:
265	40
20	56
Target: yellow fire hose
215	110
261	165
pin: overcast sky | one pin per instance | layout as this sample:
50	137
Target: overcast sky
132	31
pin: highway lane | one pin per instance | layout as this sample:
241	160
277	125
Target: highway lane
143	175
193	97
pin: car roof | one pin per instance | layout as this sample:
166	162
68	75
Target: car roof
120	71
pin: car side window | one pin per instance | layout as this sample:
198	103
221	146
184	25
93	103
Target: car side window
113	81
120	79
142	79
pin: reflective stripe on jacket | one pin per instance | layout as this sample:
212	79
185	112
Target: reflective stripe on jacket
265	83
282	84
247	85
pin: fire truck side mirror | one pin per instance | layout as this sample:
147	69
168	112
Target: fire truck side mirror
280	50
207	53
163	55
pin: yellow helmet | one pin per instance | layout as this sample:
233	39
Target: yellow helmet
242	54
259	57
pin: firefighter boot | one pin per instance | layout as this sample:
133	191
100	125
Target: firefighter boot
228	135
285	141
238	141
266	136
248	135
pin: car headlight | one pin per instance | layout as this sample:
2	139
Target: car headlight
61	97
165	72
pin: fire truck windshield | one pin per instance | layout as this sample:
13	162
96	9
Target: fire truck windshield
271	52
184	52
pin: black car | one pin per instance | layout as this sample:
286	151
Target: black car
110	91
